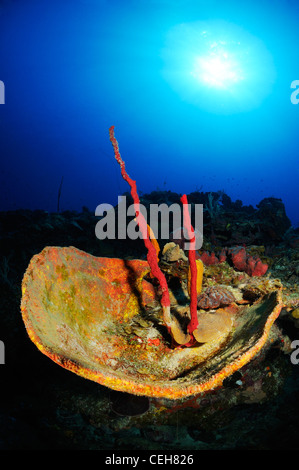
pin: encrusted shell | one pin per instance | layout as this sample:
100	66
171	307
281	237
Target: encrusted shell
79	310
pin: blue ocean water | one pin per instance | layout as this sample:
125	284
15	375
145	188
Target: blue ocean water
199	94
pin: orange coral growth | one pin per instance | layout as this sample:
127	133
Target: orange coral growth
200	271
85	314
81	321
154	241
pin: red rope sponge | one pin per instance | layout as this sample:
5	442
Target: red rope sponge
151	251
192	262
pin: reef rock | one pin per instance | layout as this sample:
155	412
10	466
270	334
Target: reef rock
214	297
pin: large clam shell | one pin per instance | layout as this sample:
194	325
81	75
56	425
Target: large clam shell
82	311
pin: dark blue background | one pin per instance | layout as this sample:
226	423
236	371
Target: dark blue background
73	68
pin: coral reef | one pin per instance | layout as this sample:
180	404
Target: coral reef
102	320
106	295
44	407
237	256
250	265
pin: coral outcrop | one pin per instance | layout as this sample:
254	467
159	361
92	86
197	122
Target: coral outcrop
237	256
129	324
214	297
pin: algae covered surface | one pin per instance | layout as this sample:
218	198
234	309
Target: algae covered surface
44	406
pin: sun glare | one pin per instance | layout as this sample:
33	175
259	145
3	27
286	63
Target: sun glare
218	66
217	70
